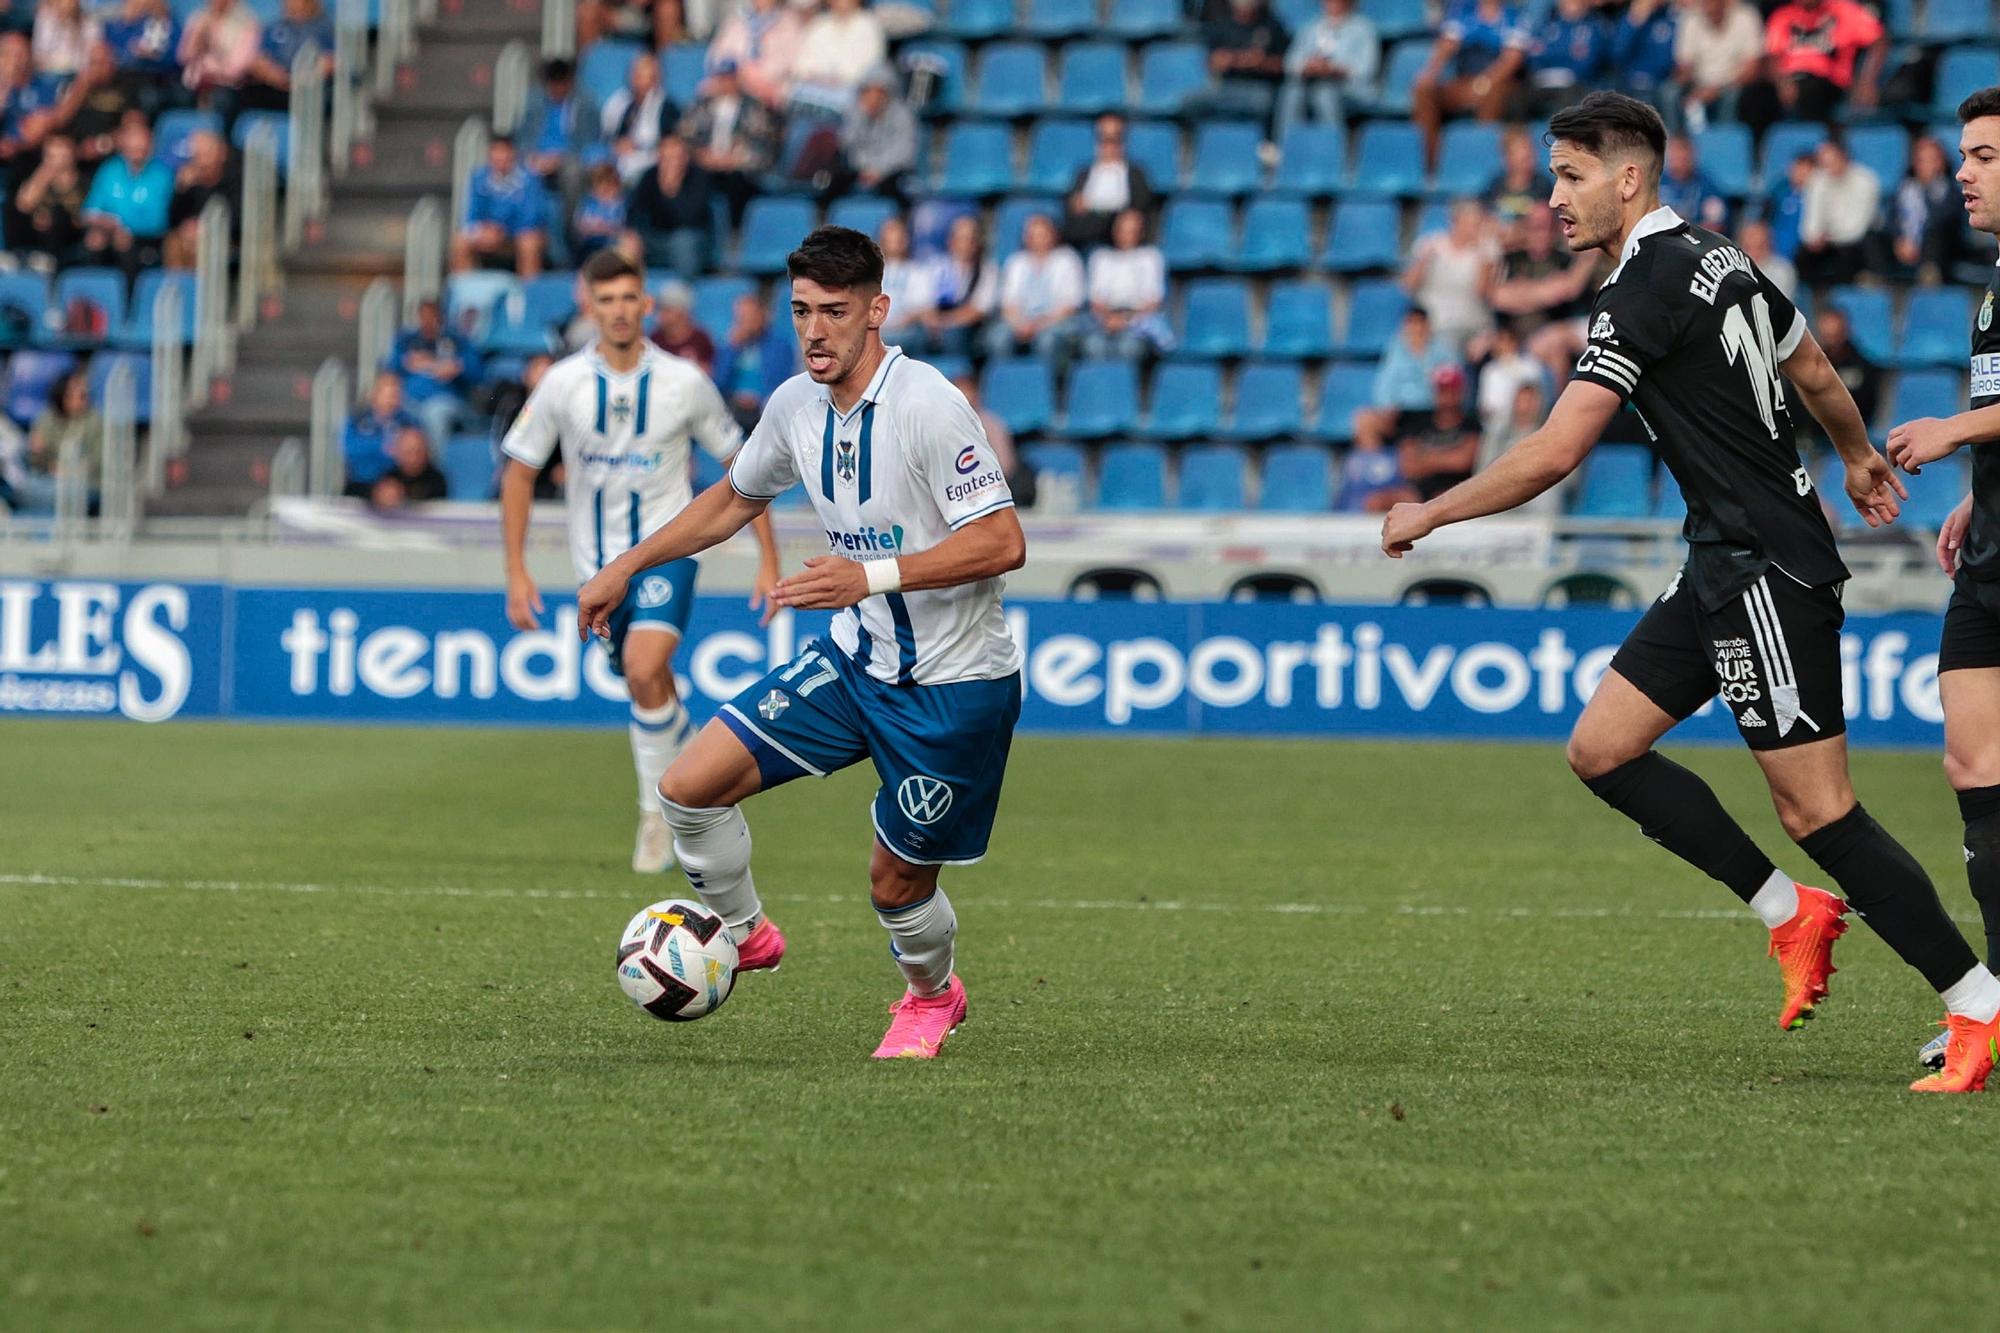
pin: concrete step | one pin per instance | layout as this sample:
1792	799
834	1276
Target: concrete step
310	300
484	20
207	501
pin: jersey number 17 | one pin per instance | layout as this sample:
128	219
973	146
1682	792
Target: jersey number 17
1758	351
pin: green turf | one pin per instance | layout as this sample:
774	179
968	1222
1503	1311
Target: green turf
413	1096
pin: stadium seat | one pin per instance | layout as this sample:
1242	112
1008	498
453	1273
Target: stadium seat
1132	476
1294	14
1057	151
1348	387
1934	327
473	301
1276	235
1617	482
864	212
1298	321
683	66
1312	159
1155	147
104	363
708	470
90	300
1212	478
137	332
1868	312
978	160
715	301
1399	75
1934	492
1958	21
24	307
946	59
548	299
1093	78
1021	392
1225	157
772	228
467	464
1364	237
31	378
1216	318
1267	402
1057	19
1962	71
1388	160
602	68
1785	141
1468	159
1140	20
1434	216
1187	401
977	20
1170	73
1057	460
1197	233
1396	19
249	122
175	127
1374	309
1884	150
1724	153
1103	400
1298	479
1013	214
1926	393
1670	503
1013	80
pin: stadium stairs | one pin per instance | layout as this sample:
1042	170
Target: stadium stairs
267	398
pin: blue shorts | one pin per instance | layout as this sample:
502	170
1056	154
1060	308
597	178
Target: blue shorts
659	599
940	750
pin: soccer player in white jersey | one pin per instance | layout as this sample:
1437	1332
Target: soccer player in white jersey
918	674
625	414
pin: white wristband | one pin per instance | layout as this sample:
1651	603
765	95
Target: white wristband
883	576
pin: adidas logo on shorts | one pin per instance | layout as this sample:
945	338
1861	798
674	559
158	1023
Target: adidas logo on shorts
1748	718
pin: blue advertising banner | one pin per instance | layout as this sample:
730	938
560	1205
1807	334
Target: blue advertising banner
152	651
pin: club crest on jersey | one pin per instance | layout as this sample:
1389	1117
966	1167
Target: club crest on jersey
923	799
843	460
1986	313
1602	330
772	706
621	409
655	591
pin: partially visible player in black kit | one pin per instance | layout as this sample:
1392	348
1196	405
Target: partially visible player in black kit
1709	352
1969	550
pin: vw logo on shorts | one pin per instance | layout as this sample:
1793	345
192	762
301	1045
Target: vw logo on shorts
924	799
656	591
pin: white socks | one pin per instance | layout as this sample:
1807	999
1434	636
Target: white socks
714	850
920	938
658	736
1976	995
1777	902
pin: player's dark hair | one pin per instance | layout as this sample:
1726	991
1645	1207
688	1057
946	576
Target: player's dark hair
1604	123
1985	102
609	265
837	257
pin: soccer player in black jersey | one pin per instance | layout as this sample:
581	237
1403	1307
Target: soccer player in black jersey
1969	549
1711	355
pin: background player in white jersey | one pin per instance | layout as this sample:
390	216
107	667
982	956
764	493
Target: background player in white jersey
917	674
625	414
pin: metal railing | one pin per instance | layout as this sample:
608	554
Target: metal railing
119	491
512	74
257	256
558	29
375	327
331	400
289	469
423	256
353	113
214	351
305	147
468	150
72	499
166	440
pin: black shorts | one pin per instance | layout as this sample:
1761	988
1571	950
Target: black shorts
1771	655
1971	636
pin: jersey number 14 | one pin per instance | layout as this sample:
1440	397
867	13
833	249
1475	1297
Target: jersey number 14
1758	351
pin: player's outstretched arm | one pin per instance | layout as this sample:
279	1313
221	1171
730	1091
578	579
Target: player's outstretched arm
714	516
1872	486
1517	476
1927	439
983	549
517	503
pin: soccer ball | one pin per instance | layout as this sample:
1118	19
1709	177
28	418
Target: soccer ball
676	961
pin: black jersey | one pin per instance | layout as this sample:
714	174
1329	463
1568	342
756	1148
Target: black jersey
1691	334
1981	557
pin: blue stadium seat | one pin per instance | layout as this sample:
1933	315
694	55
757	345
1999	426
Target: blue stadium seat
1901	18
1298	479
1670	503
1187	401
864	212
1348	387
1365	237
1060	18
1399	75
1785	141
1267	401
1155	147
1057	150
526	323
1312	159
177	126
24	307
773	226
978	159
1093	77
976	20
1617	482
1927	393
1468	158
1962	71
1934	492
1140	20
602	68
1132	476
31	378
1396	19
1013	80
682	68
1057	460
715	301
708	470
1276	235
1212	478
1169	73
1013	214
1724	153
1958	21
104	363
1868	312
947	58
1021	392
1434	216
1934	325
1294	14
1375	308
467	464
1103	400
102	288
1388	159
1197	233
1884	150
137	332
1216	320
1298	321
473	301
548	299
1225	157
248	123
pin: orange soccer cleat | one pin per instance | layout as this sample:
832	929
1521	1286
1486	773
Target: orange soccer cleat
1971	1048
1803	947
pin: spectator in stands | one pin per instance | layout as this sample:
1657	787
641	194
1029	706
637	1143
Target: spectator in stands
1863	379
839	46
125	215
1127	286
1687	191
63	37
1842	197
1020	480
964	289
1642	51
218	47
1438	449
1451	273
412	477
26	103
734	137
1041	293
1718	52
68	417
1246	59
1403	377
1541	283
1568	55
1525	415
1474	67
754	360
506	212
369	435
1503	367
1107	187
303	23
655	23
1371	480
637	117
600	215
907	284
1334	58
50	206
1786	206
1929	224
438	369
207	174
672	211
559	130
760	40
1815	47
674	329
92	107
1754	239
878	140
1524	184
145	38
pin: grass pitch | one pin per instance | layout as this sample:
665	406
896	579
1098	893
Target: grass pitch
317	1028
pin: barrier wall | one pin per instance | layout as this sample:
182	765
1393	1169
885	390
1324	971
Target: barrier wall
156	651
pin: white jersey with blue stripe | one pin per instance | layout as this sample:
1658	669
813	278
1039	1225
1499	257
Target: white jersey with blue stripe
625	440
896	474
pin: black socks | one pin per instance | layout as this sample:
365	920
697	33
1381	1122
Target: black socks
1892	894
1981	809
1676	809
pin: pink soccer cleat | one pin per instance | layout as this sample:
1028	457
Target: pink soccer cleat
922	1023
763	950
